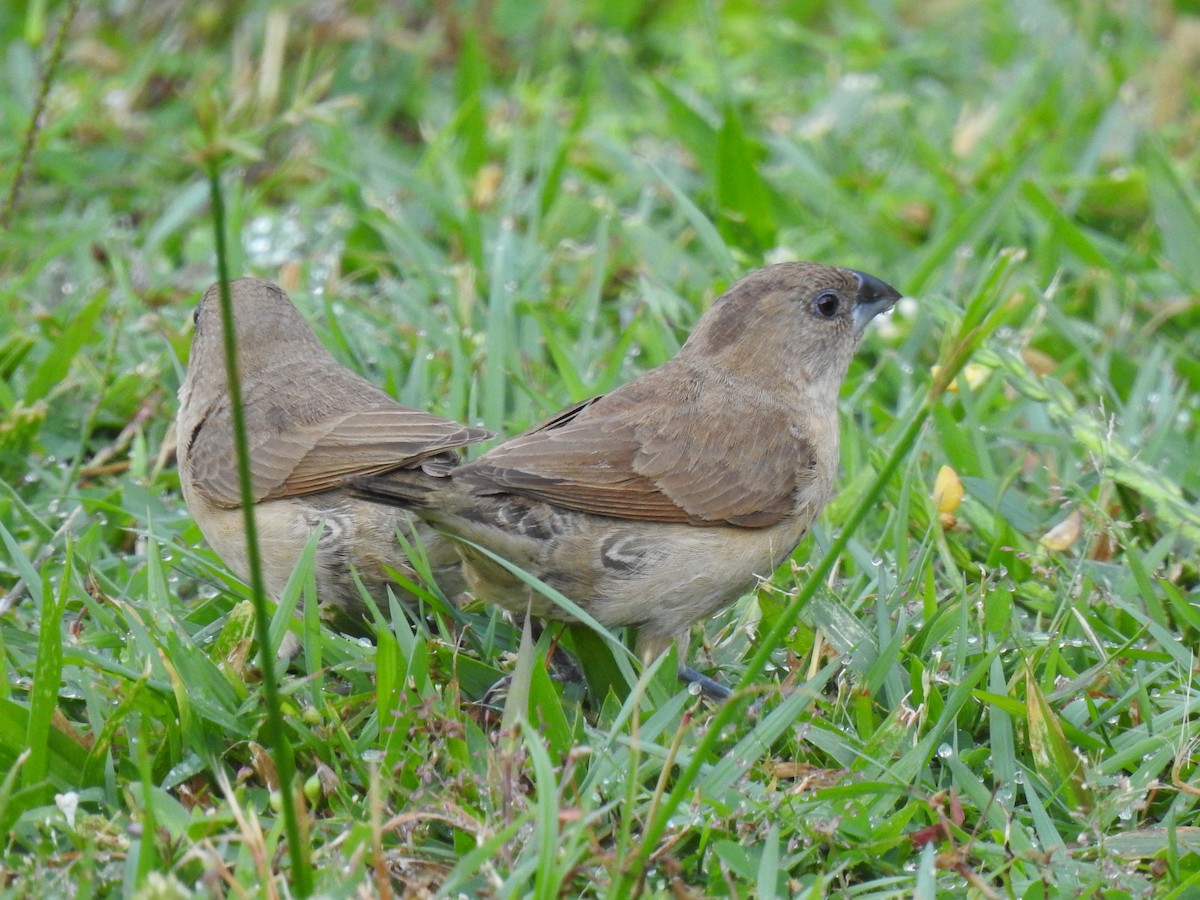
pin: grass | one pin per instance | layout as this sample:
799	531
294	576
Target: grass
492	210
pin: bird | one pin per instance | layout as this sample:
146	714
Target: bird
661	502
312	425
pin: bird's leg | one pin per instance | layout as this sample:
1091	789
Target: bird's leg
709	687
562	666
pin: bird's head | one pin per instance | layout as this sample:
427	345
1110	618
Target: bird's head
267	328
791	320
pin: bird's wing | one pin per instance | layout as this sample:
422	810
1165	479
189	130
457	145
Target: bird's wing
637	454
293	459
563	416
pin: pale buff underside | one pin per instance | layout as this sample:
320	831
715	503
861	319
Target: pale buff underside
285	526
676	574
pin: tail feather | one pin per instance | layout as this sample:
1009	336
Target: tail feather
401	487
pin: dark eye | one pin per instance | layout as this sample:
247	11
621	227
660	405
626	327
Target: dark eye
196	315
827	304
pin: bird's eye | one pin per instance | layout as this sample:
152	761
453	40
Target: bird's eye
196	315
827	304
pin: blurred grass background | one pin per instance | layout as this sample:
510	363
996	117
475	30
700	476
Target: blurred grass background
494	208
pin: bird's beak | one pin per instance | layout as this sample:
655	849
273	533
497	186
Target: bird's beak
874	297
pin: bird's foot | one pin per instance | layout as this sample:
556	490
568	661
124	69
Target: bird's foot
709	687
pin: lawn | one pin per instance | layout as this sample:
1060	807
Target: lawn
977	677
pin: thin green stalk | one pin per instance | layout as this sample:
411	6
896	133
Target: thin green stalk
979	321
285	763
47	675
37	115
148	859
660	786
88	429
632	785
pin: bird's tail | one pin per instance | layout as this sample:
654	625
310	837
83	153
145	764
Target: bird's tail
401	487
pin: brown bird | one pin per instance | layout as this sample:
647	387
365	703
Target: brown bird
662	502
312	425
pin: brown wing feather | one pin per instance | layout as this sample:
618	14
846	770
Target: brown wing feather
562	417
370	442
637	454
577	467
309	458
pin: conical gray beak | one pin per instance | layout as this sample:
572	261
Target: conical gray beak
874	297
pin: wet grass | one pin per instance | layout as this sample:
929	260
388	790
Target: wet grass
493	210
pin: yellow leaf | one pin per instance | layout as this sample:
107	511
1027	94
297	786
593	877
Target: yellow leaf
1065	533
973	373
486	186
947	490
